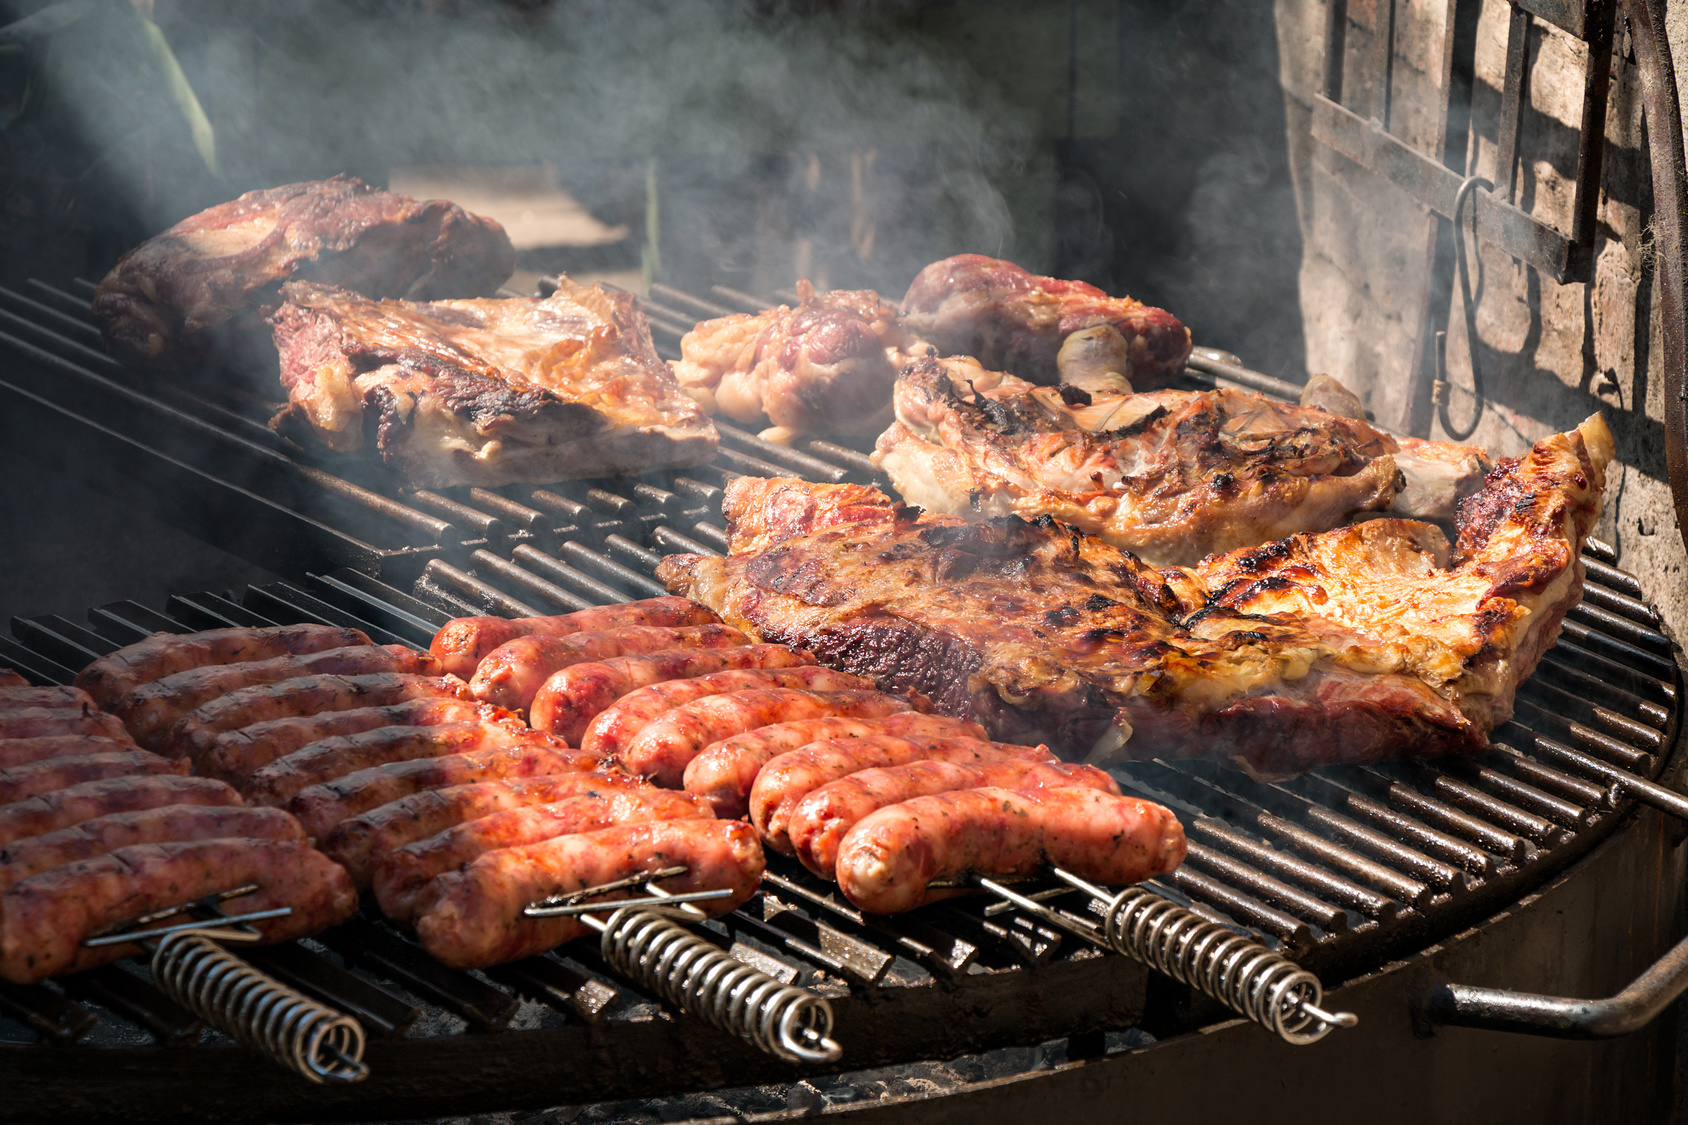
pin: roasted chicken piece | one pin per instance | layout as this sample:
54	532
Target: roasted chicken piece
486	392
1170	475
1348	645
824	367
1013	320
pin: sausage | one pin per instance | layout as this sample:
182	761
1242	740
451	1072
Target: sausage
358	841
44	918
149	710
819	822
49	812
403	874
41	722
789	778
889	860
18	782
573	697
54	696
234	755
512	674
329	758
724	771
461	645
666	745
23	858
321	807
110	678
615	728
22	751
9	678
473	918
308	695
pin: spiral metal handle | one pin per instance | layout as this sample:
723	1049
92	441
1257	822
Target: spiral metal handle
696	977
258	1011
1235	970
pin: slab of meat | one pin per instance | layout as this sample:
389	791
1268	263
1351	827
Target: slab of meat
819	822
18	782
473	918
401	876
22	751
512	674
825	367
43	722
1171	476
614	728
791	776
890	859
573	697
166	824
462	643
233	755
170	301
358	841
666	745
44	918
329	758
149	710
1348	645
112	677
724	771
486	392
65	698
321	808
193	733
49	812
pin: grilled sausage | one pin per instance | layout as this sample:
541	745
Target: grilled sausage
329	758
666	745
615	728
49	812
473	918
234	755
789	778
723	772
23	858
321	807
357	842
889	860
149	710
73	698
110	678
308	695
44	918
461	645
18	782
512	674
22	751
573	697
9	678
403	874
41	722
819	821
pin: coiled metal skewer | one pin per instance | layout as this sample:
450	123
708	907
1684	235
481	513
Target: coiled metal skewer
1232	968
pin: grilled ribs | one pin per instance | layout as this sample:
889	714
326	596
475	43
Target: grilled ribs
486	392
1170	475
174	299
1346	645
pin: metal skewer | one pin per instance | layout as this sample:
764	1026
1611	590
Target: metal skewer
1236	970
644	940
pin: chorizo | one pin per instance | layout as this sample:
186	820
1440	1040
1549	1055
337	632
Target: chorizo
110	678
48	774
43	722
512	674
49	812
22	751
71	698
462	644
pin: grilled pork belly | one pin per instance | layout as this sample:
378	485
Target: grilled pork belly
1347	645
175	298
486	392
824	367
1012	320
1171	476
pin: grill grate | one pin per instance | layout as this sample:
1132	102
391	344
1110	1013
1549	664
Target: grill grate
1340	869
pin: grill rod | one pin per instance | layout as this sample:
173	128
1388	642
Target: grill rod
1236	970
